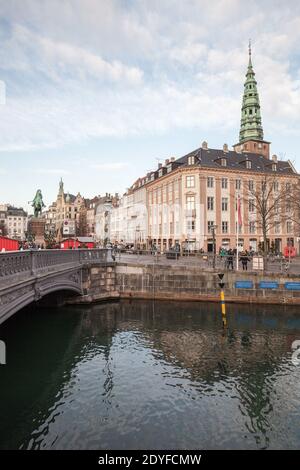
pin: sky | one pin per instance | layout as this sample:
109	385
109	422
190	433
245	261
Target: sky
99	92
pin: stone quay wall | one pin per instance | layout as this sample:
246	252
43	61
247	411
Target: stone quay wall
153	281
192	283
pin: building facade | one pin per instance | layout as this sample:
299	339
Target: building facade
13	221
209	198
67	216
129	219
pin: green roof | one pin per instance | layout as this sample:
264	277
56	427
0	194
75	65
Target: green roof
251	126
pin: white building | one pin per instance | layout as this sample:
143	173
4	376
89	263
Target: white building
129	220
14	220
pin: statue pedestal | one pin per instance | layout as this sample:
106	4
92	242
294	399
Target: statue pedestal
36	226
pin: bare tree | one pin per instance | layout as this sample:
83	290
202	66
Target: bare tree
293	204
267	200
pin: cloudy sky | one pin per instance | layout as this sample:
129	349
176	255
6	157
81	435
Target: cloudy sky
97	91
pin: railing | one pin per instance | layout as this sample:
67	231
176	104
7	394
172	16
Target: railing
29	262
273	263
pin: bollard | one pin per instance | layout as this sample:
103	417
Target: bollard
222	297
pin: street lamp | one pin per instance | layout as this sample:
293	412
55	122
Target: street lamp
213	229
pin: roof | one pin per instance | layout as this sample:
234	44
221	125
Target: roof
16	211
211	158
71	196
85	239
80	239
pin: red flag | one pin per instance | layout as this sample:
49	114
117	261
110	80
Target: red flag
240	222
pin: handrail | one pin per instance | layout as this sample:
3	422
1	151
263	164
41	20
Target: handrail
30	262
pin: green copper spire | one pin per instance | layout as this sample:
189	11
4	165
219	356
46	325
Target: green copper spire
251	127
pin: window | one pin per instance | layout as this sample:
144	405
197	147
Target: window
288	186
277	227
276	186
251	205
224	204
169	168
210	225
210	182
190	202
251	227
160	173
276	207
274	167
238	184
210	203
248	164
224	183
190	224
191	160
260	146
224	227
251	185
190	181
223	162
289	226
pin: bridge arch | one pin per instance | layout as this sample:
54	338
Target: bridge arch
25	298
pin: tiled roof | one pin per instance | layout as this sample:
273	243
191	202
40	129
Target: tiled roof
211	158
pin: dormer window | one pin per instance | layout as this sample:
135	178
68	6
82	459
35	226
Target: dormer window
160	173
169	168
191	160
248	164
274	167
223	162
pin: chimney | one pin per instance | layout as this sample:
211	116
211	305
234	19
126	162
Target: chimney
166	161
159	165
274	158
225	148
172	159
204	145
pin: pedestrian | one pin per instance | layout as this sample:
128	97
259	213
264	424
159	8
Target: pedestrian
230	259
244	259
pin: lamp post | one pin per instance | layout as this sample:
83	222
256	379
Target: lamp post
213	229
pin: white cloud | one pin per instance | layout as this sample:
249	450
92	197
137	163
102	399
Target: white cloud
99	69
109	166
51	171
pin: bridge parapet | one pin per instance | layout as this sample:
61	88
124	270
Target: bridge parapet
27	263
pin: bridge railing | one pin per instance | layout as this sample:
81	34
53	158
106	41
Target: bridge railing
28	262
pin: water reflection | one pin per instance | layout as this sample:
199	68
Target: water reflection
150	375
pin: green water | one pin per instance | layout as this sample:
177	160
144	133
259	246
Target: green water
150	376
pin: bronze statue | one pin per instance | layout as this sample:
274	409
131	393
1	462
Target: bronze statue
37	203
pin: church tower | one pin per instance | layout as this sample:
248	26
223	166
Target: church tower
251	137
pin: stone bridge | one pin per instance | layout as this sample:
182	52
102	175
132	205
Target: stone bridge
28	276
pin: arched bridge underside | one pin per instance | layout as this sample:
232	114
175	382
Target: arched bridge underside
28	276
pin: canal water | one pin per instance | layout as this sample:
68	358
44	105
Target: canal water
150	375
